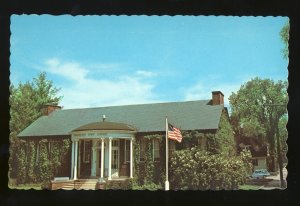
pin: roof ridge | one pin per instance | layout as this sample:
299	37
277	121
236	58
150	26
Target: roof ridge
155	103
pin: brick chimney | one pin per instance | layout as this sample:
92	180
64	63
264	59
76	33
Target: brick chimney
49	108
217	98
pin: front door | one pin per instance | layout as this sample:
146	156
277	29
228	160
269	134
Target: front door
115	153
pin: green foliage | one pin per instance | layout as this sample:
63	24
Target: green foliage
30	165
119	185
25	186
131	184
284	34
21	163
149	163
223	142
283	134
136	163
148	171
198	170
44	163
41	168
26	101
257	108
249	187
190	139
148	186
253	129
246	158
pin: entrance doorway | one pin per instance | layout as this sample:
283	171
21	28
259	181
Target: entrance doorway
115	154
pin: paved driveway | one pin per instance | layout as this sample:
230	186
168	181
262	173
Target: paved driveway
274	182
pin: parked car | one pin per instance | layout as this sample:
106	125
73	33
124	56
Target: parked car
260	174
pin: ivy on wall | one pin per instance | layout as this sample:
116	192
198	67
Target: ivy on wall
52	154
219	142
146	172
40	167
223	141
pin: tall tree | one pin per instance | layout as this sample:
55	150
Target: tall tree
26	101
284	34
257	108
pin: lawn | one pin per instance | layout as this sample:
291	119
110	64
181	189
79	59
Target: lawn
25	186
249	187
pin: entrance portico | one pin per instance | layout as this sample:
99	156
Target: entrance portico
105	149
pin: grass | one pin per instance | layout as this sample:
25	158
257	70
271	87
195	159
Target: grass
249	187
25	186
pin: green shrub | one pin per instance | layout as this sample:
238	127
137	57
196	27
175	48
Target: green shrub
223	141
197	170
118	185
46	185
149	186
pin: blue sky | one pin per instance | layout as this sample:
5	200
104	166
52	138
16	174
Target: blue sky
117	60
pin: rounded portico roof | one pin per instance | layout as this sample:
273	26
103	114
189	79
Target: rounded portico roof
105	126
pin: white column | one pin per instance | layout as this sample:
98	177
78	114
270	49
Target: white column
167	184
102	157
72	160
131	158
109	159
94	159
79	157
75	159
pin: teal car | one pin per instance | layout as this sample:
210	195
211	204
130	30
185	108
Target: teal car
260	174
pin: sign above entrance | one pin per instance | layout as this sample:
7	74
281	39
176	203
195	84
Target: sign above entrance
96	135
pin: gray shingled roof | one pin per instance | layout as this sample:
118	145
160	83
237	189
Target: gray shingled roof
189	115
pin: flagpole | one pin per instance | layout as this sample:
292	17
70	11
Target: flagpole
167	157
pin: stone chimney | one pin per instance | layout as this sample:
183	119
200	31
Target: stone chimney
217	98
49	108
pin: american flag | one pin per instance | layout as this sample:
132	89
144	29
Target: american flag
174	133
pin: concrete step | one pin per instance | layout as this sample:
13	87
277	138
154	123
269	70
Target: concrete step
88	184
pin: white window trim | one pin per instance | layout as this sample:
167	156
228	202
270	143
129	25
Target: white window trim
153	150
172	147
125	156
115	143
142	140
84	151
37	152
50	145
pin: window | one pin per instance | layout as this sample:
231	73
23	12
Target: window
156	154
54	148
255	162
115	159
127	150
202	142
37	152
171	148
86	151
142	149
115	143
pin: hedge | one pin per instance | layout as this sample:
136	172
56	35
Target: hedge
195	169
